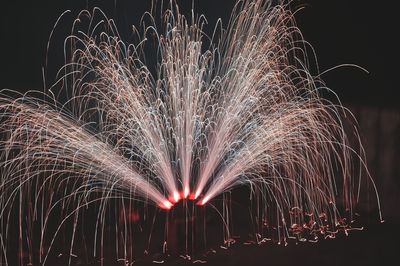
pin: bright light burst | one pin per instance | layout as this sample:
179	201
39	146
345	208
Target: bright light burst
238	109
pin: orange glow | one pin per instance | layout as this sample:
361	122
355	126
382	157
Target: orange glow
186	192
203	201
191	196
176	196
166	205
197	194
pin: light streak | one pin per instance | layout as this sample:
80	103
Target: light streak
245	111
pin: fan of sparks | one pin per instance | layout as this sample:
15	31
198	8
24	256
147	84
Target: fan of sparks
239	108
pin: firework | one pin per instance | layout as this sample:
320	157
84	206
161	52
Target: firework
241	111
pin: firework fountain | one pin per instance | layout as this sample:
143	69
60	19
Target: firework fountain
237	109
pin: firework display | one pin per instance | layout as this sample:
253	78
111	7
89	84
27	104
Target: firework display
118	150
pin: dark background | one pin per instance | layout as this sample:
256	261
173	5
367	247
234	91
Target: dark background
356	32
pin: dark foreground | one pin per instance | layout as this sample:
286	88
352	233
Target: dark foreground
377	244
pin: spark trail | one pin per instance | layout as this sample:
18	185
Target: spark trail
243	110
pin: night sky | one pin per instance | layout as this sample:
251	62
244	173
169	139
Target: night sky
342	32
